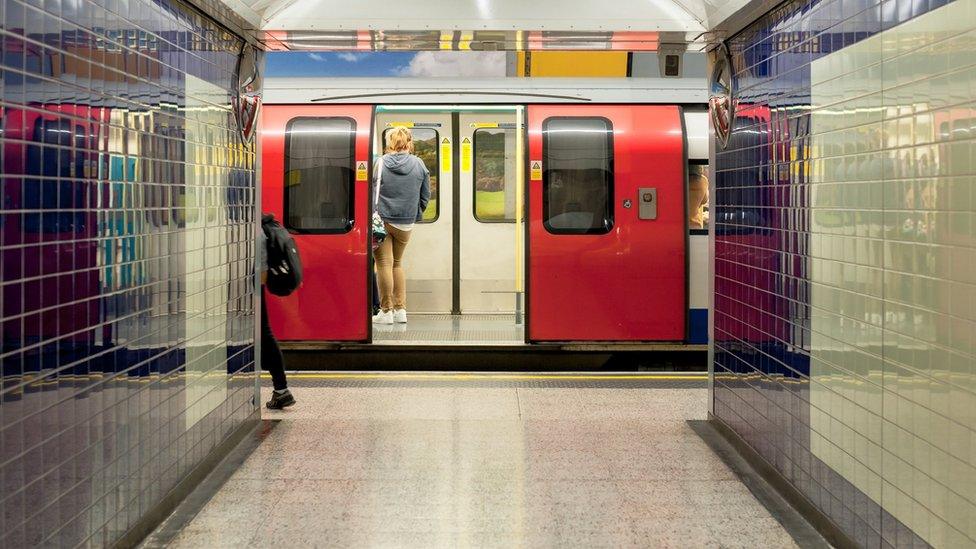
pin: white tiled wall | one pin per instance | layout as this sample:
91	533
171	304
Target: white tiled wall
126	262
893	263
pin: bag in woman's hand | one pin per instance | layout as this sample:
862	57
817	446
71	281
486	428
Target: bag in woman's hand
378	229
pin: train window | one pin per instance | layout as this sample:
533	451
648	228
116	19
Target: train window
319	174
698	195
745	186
56	157
425	147
577	176
494	173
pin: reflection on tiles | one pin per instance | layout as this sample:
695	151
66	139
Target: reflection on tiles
481	466
452	330
844	255
125	261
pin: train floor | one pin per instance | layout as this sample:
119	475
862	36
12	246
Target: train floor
448	460
446	329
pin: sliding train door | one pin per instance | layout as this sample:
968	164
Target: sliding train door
315	165
607	229
490	153
428	260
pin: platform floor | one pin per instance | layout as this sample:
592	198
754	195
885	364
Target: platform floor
412	463
426	329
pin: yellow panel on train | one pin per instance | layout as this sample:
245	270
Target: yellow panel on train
573	63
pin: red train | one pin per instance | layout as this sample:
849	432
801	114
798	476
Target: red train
551	221
50	265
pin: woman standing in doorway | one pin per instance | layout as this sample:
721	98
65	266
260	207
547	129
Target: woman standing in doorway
404	184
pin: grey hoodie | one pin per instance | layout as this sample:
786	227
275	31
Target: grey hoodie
405	189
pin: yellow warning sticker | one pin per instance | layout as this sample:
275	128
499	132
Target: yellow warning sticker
362	174
465	155
484	125
399	124
293	177
535	170
445	155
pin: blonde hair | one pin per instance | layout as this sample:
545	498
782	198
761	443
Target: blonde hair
399	139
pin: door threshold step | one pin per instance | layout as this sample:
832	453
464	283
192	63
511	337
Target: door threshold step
491	345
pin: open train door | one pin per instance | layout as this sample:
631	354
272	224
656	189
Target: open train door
607	223
315	164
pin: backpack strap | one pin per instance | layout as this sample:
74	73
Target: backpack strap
379	181
267	225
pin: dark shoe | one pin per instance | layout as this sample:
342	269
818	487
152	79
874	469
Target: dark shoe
280	400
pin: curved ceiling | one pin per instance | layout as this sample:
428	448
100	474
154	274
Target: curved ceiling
507	24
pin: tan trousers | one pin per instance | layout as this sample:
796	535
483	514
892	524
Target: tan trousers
389	269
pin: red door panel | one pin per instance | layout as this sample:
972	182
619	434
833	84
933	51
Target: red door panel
625	281
331	304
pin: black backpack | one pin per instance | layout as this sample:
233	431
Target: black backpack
284	264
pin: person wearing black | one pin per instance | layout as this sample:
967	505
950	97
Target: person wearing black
271	358
376	296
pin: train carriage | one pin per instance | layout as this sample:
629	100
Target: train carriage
558	215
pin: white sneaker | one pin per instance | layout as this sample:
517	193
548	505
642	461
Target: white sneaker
400	316
383	317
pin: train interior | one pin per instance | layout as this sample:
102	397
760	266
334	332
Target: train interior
463	264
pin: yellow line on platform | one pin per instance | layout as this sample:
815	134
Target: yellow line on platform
508	377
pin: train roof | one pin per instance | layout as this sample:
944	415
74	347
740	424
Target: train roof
426	91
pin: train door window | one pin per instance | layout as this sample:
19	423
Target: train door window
577	176
55	156
742	189
425	147
698	196
494	173
319	175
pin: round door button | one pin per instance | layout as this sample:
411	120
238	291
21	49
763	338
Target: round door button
648	197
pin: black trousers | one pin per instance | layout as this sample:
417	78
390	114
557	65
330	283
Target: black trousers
271	359
376	295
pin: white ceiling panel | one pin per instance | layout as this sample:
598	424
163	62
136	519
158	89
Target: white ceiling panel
563	15
684	19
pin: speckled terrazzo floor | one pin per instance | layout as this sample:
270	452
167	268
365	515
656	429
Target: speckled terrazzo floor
487	467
